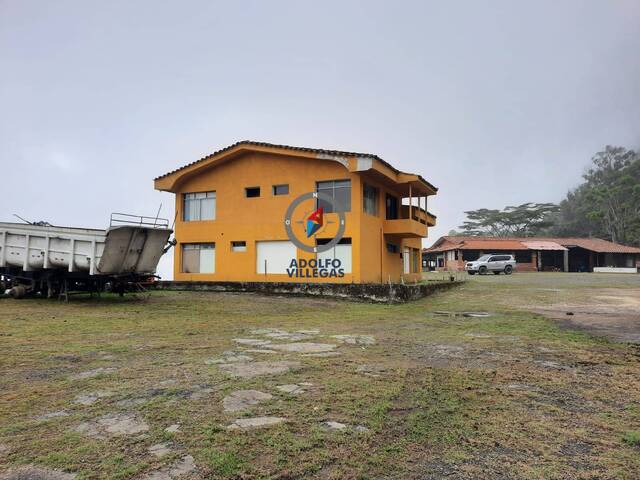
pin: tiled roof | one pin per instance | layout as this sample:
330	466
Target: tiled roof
537	244
475	243
481	244
300	149
597	245
516	243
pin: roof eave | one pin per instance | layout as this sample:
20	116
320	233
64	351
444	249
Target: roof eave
351	160
170	181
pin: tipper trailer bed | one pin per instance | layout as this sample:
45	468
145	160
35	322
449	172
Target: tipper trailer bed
47	259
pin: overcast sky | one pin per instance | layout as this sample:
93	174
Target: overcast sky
494	102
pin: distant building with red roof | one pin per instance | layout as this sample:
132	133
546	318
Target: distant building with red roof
534	253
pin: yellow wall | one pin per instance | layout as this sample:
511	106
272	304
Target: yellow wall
254	219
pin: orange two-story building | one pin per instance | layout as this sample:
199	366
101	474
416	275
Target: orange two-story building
257	212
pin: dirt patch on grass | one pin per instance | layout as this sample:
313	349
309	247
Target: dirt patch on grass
612	313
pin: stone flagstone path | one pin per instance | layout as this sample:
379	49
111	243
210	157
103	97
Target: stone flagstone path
91	398
244	399
280	341
257	369
183	466
255	422
30	472
238	365
303	347
114	424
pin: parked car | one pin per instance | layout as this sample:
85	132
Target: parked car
491	263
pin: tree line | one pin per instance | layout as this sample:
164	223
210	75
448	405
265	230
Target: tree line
605	205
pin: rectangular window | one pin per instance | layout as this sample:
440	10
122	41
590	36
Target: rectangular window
342	252
370	199
238	246
274	256
339	191
198	258
391	207
392	248
252	192
281	189
199	206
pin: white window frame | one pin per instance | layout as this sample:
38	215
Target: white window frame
192	206
209	248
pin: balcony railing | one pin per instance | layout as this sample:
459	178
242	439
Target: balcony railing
430	219
414	226
405	227
119	219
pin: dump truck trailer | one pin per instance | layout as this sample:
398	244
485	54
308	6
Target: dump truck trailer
47	259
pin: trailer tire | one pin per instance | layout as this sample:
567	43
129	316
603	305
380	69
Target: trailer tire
19	291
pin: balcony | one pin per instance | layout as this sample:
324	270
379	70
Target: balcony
416	226
430	218
405	227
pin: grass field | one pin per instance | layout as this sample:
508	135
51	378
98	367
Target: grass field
89	386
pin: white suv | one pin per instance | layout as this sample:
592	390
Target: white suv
491	263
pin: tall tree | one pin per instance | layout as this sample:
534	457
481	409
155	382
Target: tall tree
524	220
607	204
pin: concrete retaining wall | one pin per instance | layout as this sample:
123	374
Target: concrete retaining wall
369	292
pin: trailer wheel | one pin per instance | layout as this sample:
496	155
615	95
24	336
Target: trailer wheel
19	291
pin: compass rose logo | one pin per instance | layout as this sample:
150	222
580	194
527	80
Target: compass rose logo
314	222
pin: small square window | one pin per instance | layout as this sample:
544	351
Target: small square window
238	246
281	189
252	192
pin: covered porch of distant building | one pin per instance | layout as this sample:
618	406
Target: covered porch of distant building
550	256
